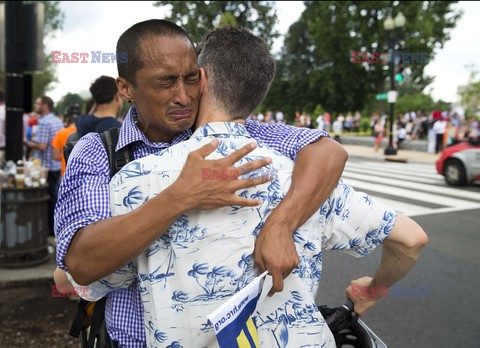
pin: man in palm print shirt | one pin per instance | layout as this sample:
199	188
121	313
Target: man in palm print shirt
204	258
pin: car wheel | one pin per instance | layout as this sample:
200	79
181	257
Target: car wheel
454	173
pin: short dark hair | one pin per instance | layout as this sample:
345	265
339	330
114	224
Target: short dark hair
48	101
240	69
2	95
130	41
103	89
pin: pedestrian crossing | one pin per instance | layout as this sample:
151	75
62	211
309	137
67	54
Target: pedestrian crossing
412	189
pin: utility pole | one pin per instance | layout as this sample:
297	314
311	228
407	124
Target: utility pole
14	80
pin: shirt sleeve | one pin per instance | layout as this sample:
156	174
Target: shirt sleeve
120	279
288	140
354	222
83	196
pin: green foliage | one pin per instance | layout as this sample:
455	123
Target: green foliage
470	94
316	56
54	19
365	124
66	101
417	101
197	17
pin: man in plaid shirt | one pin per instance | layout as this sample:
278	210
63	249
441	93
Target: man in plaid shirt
48	126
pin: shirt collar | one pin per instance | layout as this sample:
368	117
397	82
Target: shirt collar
221	128
130	133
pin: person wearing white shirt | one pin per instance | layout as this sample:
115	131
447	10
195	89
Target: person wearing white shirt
439	128
320	122
206	257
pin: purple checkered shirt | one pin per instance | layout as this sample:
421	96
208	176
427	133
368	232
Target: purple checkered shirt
84	199
48	126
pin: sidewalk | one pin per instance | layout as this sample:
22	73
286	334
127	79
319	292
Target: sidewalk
401	156
11	277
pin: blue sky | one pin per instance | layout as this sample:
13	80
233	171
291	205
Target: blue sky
96	26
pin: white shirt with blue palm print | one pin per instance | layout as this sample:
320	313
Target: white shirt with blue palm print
205	257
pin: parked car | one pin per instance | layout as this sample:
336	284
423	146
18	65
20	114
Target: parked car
460	164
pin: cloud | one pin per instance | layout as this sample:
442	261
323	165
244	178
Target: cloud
462	49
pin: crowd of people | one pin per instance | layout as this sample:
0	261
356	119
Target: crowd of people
45	134
440	128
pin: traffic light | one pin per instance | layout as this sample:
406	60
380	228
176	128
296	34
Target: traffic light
399	75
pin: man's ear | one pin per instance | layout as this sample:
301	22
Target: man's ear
124	88
203	79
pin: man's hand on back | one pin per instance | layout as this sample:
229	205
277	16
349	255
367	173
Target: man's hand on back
209	192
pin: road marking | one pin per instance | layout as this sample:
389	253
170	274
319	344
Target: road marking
417	186
413	190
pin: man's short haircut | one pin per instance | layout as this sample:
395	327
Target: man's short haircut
103	89
48	101
239	67
130	43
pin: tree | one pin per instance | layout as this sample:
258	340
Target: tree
317	51
66	101
54	18
470	94
197	17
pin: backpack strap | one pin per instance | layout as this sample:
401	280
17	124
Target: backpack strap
78	322
98	333
116	160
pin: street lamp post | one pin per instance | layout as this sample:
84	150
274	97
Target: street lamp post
390	25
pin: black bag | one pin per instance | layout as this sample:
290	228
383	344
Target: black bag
98	337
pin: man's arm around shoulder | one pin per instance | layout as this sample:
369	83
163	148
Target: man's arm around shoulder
318	168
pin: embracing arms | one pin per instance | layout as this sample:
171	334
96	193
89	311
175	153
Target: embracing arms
102	247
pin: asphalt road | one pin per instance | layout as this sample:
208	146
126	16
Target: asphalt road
448	268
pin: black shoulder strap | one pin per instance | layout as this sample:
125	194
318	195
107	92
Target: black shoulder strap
97	331
116	160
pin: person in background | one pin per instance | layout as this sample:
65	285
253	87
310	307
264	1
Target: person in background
327	118
61	137
48	126
348	122
320	122
356	121
108	105
279	117
337	128
378	130
439	128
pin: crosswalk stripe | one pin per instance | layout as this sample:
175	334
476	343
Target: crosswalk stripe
417	187
407	177
425	168
411	189
404	208
383	169
418	196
